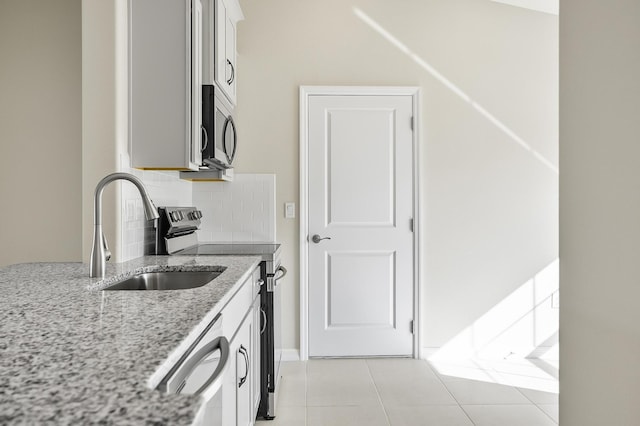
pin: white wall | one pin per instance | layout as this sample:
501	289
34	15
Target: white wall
40	131
600	212
101	56
489	79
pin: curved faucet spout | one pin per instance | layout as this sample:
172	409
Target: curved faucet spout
99	250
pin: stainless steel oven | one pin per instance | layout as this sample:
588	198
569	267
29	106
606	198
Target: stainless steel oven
271	304
219	135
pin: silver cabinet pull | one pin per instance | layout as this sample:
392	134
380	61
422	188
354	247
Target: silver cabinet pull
245	354
317	238
233	73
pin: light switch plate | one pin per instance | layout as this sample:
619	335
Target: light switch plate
290	210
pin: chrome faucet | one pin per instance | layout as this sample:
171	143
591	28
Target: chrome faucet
99	250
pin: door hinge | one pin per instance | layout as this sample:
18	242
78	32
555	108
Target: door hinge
411	124
411	326
411	224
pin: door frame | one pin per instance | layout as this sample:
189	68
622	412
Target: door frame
305	93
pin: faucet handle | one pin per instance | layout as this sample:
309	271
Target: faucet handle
107	252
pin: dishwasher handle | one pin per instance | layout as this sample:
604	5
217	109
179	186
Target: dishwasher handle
214	382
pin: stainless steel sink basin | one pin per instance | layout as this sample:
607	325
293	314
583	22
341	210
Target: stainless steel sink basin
173	280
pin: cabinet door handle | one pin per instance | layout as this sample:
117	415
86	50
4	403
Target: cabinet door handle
244	353
233	72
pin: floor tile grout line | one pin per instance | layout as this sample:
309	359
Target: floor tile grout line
545	413
375	386
435	373
536	404
548	415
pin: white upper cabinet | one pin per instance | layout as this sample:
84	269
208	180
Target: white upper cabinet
226	15
165	83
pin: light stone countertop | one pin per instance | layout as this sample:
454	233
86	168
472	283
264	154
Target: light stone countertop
71	354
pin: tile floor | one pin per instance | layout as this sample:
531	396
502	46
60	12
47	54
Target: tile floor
407	392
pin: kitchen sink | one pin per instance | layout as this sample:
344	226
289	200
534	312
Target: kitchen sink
166	280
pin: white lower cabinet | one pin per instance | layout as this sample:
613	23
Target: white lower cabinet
244	350
241	388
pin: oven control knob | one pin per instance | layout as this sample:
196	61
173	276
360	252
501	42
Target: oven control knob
198	214
173	217
180	215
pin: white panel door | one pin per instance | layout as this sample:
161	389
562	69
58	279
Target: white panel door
361	197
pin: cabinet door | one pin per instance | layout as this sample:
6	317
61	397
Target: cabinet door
244	361
227	15
164	84
230	49
196	82
255	371
230	385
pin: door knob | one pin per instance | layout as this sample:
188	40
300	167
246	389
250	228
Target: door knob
317	238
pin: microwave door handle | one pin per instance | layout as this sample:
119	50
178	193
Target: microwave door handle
206	138
229	121
214	382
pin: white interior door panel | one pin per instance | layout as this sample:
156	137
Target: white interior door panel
361	200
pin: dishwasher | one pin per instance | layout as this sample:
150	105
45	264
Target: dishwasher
200	371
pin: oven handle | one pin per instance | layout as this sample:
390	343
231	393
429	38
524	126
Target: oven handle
214	382
283	273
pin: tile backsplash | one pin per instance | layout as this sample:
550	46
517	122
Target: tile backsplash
238	211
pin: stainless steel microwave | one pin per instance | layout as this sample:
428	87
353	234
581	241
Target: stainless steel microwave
219	136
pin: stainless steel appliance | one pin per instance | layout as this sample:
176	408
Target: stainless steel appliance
219	136
201	371
176	236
